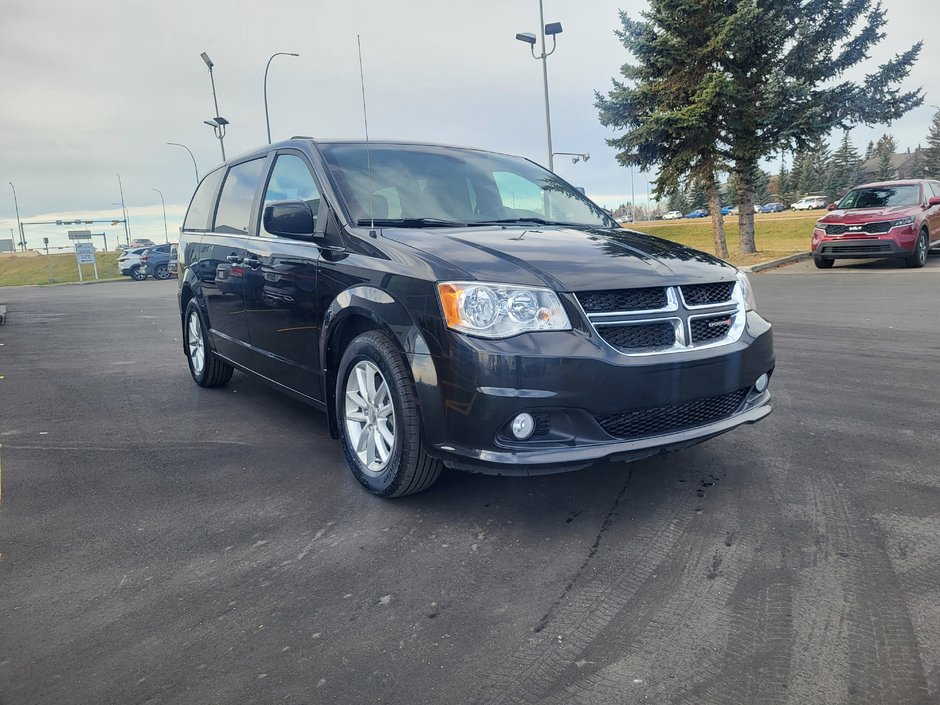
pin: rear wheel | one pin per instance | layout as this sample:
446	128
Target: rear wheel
161	272
137	275
378	416
919	258
823	262
207	369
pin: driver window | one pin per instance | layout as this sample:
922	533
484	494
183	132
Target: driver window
519	194
291	181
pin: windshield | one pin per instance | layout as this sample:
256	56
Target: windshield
882	196
429	186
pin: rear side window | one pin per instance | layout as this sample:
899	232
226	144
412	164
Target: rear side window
935	187
233	215
200	208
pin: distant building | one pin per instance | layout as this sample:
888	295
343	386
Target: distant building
903	164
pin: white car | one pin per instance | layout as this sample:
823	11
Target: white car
809	203
129	263
673	215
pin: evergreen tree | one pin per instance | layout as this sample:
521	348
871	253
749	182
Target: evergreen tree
915	168
783	183
846	169
870	150
677	201
814	175
671	101
932	151
884	150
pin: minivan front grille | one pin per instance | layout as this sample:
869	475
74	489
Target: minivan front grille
705	330
618	300
669	419
641	336
707	294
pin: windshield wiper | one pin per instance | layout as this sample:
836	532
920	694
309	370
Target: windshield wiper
538	221
410	223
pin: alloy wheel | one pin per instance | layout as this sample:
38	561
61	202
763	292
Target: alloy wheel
370	416
196	343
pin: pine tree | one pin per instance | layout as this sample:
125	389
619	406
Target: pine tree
783	183
932	151
846	169
870	150
884	150
671	101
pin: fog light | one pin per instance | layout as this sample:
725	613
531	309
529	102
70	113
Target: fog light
761	384
523	426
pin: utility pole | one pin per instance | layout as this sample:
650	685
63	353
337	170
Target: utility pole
19	225
127	226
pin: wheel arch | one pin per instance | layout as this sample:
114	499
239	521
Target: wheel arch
358	310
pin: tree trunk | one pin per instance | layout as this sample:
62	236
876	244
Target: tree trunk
718	221
744	175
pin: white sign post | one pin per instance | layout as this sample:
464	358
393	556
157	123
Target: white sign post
85	254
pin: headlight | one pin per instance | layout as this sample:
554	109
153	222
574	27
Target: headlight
909	220
500	310
747	292
820	225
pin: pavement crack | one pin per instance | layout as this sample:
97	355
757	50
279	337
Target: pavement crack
608	520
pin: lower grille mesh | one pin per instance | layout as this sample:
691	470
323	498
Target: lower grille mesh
642	336
667	419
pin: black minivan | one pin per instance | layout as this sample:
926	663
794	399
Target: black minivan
450	306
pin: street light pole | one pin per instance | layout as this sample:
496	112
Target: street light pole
218	127
552	29
127	225
195	168
19	225
166	233
267	120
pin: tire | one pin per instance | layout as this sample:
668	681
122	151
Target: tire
136	274
823	262
919	258
386	424
207	369
161	272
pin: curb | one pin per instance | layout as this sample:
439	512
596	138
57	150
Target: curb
779	262
51	284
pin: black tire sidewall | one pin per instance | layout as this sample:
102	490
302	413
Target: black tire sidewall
363	348
160	272
190	307
136	275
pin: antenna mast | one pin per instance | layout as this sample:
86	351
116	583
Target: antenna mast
365	117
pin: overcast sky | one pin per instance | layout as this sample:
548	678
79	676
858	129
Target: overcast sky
90	90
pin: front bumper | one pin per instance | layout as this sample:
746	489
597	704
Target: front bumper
571	382
899	242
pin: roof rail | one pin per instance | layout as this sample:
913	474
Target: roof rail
302	137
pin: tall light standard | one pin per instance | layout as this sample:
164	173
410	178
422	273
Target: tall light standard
195	168
552	29
166	233
575	156
217	123
127	225
19	225
267	120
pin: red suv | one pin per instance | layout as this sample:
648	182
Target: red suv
887	219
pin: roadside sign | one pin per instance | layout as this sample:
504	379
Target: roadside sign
85	254
79	235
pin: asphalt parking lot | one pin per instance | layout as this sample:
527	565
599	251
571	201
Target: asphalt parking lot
161	543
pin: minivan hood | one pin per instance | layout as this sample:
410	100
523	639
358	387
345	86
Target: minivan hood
565	259
855	216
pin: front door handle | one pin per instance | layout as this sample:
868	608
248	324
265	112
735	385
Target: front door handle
234	259
252	262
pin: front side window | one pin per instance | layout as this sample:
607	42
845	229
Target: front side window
233	215
200	208
425	186
291	181
882	196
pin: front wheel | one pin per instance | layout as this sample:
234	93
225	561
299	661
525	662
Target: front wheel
823	262
378	416
919	258
207	369
137	275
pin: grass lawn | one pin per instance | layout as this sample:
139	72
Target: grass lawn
776	234
16	271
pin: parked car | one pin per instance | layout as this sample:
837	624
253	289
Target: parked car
808	203
772	208
887	219
737	211
672	215
697	213
154	262
129	263
173	264
461	307
726	210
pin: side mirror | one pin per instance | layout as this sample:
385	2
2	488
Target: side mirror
935	201
293	219
831	207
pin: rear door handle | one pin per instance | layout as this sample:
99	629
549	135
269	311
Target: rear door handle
234	259
252	262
